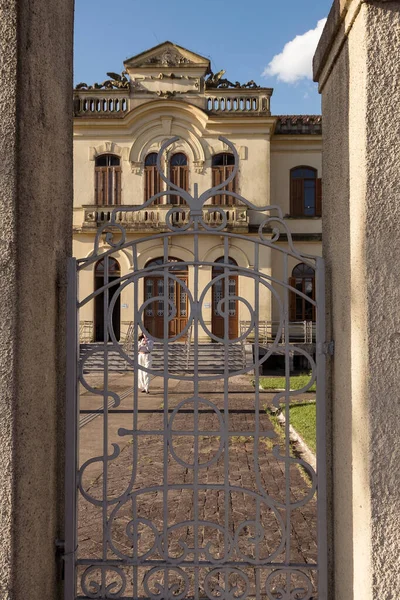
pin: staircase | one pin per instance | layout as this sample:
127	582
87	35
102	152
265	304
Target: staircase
180	358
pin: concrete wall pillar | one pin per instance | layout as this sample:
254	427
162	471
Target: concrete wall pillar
35	240
358	70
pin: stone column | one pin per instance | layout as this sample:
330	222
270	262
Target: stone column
357	67
35	240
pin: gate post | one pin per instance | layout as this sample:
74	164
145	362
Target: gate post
71	432
357	68
35	240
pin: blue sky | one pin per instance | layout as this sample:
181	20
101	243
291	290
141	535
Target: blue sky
246	39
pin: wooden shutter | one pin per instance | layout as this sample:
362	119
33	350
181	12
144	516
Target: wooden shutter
318	198
231	187
296	197
107	185
217	178
147	183
116	173
101	185
220	174
97	184
292	300
179	176
152	184
184	178
174	176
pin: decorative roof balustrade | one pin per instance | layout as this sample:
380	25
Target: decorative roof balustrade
116	103
232	101
101	103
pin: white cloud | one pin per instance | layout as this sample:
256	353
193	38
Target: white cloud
295	60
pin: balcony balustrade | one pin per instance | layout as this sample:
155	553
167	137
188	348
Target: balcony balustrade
154	217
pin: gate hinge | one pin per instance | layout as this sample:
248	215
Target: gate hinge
327	348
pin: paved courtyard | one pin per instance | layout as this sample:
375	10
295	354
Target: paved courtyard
225	508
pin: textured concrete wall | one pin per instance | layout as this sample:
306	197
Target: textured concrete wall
358	70
35	240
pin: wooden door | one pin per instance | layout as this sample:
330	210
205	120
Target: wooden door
218	293
154	313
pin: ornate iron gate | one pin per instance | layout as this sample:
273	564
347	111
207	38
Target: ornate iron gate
195	497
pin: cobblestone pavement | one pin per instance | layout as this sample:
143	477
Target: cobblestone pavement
227	509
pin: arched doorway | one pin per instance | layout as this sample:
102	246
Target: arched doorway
154	287
218	293
303	280
114	272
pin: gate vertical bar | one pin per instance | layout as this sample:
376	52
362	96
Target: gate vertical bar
71	433
321	431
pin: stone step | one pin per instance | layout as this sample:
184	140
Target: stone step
211	358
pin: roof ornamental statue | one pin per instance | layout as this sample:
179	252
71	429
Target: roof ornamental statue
115	82
216	80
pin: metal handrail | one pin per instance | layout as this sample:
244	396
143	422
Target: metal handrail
300	332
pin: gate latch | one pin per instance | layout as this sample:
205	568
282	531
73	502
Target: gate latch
60	547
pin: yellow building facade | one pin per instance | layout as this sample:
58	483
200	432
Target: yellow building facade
119	127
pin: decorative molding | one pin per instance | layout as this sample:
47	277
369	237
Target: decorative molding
166	123
166	94
198	166
151	137
241	150
137	167
137	86
109	148
168	58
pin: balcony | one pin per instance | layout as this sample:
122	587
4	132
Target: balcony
155	217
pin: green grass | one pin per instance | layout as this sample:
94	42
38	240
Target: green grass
297	382
303	417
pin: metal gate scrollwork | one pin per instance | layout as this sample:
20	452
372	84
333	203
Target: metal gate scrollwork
191	523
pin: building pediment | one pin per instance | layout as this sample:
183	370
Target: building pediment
167	55
167	70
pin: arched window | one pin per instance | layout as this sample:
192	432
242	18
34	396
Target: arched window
305	192
113	268
179	175
174	264
107	186
221	259
152	179
222	167
303	280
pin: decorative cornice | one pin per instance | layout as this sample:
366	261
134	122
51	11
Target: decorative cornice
298	125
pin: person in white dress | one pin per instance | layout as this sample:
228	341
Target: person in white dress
145	348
